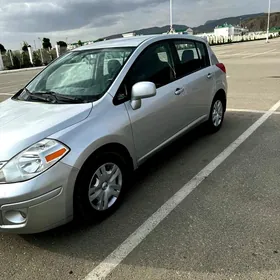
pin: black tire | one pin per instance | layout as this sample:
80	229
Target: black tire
83	210
210	124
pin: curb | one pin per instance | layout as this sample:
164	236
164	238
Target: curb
21	70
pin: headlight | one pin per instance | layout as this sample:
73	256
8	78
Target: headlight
32	161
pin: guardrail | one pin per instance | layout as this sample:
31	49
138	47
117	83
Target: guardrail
219	40
210	38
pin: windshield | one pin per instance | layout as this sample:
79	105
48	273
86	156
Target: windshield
86	75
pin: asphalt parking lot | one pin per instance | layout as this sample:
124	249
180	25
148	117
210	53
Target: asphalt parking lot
227	223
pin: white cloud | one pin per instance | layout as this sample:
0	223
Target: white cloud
91	19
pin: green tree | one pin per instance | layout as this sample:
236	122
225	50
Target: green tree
36	59
80	43
16	62
25	46
62	44
47	43
2	49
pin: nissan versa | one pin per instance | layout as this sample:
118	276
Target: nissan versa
72	136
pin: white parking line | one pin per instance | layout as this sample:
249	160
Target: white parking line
121	252
250	111
227	52
233	54
13	82
8	93
12	86
257	54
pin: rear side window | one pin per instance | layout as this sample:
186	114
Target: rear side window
193	56
188	58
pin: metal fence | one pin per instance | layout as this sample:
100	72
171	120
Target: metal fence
40	57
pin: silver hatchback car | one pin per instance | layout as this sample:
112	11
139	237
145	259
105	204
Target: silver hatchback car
71	138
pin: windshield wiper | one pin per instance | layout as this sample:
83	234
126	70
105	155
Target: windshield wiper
53	97
62	97
36	96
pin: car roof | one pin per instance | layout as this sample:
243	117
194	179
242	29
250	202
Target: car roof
133	41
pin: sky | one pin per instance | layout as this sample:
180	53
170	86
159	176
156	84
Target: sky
73	20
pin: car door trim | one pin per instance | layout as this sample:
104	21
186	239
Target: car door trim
173	138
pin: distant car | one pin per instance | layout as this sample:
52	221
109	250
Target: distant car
72	136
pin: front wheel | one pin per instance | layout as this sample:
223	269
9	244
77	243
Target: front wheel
216	116
100	187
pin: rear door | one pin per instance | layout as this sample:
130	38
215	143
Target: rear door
196	76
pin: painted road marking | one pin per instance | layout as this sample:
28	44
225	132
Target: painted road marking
7	94
250	111
12	86
121	252
258	54
13	82
233	54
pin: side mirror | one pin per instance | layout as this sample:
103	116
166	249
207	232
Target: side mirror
140	91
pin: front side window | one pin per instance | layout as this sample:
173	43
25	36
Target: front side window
153	65
86	75
192	57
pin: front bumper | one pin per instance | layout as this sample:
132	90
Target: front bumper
39	204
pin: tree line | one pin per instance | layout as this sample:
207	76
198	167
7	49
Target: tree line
21	59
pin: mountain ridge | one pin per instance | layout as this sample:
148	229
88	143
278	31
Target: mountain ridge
255	22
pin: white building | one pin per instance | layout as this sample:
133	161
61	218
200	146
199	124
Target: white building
189	31
131	34
227	30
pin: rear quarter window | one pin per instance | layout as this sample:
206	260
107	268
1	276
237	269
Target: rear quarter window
213	57
203	54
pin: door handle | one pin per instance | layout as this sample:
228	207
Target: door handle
209	76
179	91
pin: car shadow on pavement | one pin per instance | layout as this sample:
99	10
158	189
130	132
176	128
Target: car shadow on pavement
152	167
213	235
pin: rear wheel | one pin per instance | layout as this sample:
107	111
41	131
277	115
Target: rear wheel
100	186
216	116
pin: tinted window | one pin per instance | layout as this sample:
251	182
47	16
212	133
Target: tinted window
189	60
203	54
153	65
193	56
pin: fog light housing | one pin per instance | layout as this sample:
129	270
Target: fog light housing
15	216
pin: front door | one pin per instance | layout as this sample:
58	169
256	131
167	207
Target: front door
157	119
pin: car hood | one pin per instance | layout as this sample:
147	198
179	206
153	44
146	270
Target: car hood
24	123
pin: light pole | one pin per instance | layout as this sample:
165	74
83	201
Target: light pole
268	19
171	16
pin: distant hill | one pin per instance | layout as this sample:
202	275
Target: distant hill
254	22
260	22
151	30
211	24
